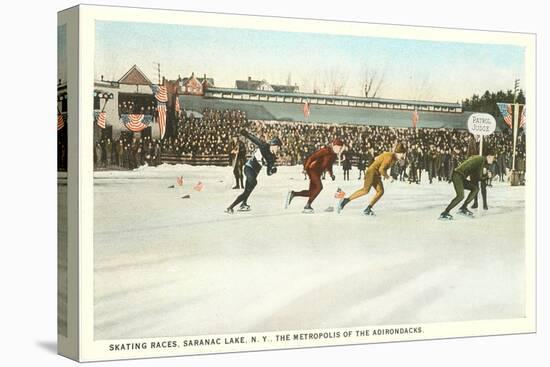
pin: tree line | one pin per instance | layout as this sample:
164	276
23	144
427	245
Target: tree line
488	101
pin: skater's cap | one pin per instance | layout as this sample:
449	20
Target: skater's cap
400	148
338	141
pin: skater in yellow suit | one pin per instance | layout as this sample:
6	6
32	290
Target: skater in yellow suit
373	178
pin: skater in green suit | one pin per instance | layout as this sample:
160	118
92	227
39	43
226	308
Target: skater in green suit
471	168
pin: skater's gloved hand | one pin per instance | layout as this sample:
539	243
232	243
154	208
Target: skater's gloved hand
333	177
273	170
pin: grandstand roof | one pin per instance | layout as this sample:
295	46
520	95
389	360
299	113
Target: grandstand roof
262	110
335	97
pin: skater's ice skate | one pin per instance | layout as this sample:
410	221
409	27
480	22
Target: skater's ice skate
368	211
229	211
464	211
244	208
289	197
445	216
341	204
307	209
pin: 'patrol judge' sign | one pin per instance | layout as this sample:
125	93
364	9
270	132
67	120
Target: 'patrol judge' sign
481	124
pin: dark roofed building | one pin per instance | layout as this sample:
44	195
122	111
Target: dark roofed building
285	88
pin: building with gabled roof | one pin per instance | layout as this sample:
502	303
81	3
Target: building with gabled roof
134	76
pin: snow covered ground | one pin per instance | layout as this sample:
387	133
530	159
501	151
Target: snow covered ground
167	266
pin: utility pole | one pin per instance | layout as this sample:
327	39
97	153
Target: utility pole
515	178
157	64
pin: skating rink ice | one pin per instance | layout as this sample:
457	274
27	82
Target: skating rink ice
167	266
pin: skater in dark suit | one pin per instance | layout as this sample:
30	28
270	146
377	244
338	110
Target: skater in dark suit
264	155
471	168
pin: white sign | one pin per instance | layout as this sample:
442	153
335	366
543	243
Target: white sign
481	124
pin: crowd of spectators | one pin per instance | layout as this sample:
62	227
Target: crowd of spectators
434	152
126	153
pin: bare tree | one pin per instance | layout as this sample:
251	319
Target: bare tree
336	81
373	82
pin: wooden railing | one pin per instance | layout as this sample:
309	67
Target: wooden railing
196	160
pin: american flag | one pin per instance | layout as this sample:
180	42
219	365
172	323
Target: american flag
306	109
506	111
179	181
198	187
160	93
523	117
415	118
100	119
161	109
60	121
134	122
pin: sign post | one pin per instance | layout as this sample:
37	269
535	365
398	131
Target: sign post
481	124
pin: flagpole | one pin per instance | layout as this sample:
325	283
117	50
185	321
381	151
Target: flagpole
516	112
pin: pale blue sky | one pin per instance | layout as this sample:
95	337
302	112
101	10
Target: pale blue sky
62	53
427	70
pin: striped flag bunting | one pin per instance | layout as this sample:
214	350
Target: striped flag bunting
415	118
100	118
136	122
60	121
306	109
161	109
523	117
199	186
506	112
160	93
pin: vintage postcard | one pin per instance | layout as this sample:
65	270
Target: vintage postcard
239	183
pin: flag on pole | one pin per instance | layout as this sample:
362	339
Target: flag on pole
415	118
100	118
199	186
60	121
506	112
160	93
306	109
161	109
523	117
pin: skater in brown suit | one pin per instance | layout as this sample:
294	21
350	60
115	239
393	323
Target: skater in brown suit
373	178
315	165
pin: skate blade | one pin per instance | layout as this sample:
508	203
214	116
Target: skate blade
287	201
443	218
467	215
369	214
339	206
243	210
307	211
